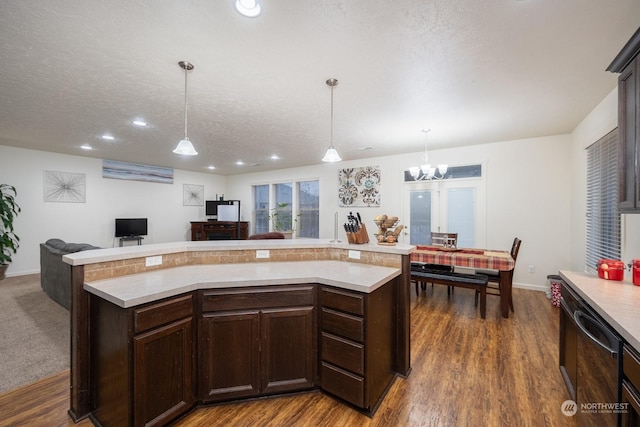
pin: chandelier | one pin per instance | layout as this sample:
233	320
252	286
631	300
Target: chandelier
426	172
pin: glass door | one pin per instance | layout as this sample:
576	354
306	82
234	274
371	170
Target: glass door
445	206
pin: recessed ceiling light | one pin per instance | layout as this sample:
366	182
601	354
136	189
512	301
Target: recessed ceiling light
274	157
211	167
239	163
108	137
139	122
248	8
86	147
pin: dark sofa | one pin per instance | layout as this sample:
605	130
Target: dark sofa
55	275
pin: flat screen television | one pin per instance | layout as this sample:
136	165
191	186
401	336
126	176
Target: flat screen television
131	227
211	206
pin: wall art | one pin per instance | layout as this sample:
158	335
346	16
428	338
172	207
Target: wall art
192	195
65	187
359	187
136	172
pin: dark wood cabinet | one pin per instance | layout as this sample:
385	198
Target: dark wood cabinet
630	387
357	344
568	341
152	363
627	63
163	386
257	341
142	361
219	230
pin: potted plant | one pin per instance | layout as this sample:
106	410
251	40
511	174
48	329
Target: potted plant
8	240
282	220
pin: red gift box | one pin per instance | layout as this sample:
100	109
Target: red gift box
611	269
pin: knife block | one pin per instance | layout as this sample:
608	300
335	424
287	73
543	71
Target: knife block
360	237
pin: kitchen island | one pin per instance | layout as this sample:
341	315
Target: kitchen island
234	320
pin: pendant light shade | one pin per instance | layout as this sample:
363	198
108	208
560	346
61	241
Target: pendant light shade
331	155
185	147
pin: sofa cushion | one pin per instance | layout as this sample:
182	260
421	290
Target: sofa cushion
55	275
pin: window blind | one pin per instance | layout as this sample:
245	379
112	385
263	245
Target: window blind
603	217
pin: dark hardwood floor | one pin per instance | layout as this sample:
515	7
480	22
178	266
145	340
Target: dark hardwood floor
466	372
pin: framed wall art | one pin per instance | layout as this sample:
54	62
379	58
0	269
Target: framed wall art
65	187
359	187
136	172
192	195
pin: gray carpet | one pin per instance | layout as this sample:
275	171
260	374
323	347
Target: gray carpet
34	333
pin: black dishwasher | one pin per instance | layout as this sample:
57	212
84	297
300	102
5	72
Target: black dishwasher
599	369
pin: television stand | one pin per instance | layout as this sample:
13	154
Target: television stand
129	239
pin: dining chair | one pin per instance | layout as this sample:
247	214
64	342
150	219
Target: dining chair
493	287
444	239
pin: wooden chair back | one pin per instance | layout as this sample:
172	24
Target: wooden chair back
444	239
515	248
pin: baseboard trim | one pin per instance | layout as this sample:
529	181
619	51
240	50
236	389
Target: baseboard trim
531	287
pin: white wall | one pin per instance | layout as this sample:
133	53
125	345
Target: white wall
602	120
528	196
93	222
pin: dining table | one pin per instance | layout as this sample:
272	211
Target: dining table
486	259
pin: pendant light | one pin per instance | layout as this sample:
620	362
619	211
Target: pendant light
331	155
185	147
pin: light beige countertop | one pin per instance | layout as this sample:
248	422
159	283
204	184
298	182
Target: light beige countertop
135	289
128	252
616	302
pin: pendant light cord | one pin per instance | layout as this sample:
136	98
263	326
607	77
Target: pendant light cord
185	103
331	116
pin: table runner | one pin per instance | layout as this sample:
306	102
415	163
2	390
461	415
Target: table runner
464	257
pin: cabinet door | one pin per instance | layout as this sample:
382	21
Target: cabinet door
230	358
163	373
288	349
568	347
630	417
628	122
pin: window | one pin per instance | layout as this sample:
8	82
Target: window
288	206
282	211
453	172
603	217
261	208
309	209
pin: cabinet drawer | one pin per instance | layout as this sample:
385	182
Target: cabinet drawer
348	302
343	384
631	365
257	298
163	312
343	353
344	325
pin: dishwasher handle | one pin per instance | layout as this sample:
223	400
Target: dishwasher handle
579	315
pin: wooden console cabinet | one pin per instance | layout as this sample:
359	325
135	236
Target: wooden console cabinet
219	230
257	341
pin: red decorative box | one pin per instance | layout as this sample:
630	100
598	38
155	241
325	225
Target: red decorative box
611	269
636	272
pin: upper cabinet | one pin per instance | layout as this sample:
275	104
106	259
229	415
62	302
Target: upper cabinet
627	64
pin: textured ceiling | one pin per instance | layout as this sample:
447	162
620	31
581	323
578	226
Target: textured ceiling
473	72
